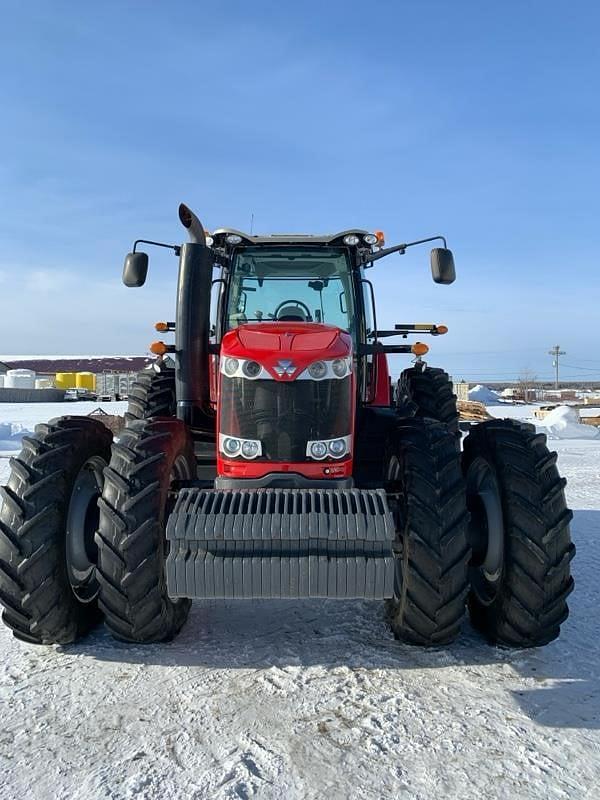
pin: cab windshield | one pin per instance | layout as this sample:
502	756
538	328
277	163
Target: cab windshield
291	285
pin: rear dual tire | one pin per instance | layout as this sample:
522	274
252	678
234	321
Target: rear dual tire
430	390
149	458
152	395
47	522
519	531
426	493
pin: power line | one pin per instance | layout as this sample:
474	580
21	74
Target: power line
589	369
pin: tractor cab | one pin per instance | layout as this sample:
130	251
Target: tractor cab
291	321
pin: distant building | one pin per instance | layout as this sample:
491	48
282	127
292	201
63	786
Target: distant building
461	390
94	364
560	394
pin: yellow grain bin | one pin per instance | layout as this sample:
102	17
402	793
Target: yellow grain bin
65	380
86	380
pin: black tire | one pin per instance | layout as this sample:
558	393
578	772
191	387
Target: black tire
36	589
521	601
152	395
131	540
426	493
430	389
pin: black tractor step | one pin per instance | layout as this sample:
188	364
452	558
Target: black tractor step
272	543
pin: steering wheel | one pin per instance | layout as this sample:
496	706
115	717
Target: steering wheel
297	303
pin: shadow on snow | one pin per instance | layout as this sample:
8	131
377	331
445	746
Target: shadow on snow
260	634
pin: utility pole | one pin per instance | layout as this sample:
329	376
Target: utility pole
556	352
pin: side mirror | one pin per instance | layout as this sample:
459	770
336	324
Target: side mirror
135	269
442	265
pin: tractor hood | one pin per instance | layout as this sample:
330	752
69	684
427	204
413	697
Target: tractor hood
293	346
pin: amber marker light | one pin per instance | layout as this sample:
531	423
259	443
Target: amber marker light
158	348
380	238
441	329
419	349
162	327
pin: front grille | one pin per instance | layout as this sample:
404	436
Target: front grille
284	416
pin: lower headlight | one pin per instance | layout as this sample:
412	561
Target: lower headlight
234	447
318	450
231	446
334	448
337	447
250	449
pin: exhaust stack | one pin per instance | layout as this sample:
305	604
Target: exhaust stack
193	225
192	375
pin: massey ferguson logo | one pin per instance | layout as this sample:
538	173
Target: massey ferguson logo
285	367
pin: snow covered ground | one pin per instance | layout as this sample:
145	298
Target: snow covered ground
312	699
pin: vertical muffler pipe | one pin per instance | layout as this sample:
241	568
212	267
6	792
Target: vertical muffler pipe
193	225
192	373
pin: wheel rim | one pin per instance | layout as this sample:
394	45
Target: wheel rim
82	524
486	530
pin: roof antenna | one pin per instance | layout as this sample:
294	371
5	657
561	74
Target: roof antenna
252	224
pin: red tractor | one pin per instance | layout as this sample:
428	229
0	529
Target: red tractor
276	460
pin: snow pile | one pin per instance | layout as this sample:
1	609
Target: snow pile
563	423
481	394
11	434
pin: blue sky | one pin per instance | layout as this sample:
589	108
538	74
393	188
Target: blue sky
477	120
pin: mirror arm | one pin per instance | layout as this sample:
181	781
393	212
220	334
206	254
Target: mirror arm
367	258
175	247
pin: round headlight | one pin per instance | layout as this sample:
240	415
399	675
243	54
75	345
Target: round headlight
251	369
317	370
231	366
318	449
337	447
250	449
351	239
370	238
209	241
339	367
233	238
231	446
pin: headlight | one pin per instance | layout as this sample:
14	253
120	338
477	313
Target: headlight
233	238
335	369
337	447
351	239
250	449
231	366
317	370
231	446
334	448
251	369
234	367
339	367
318	450
370	238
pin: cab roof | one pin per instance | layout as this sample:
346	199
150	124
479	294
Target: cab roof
287	238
